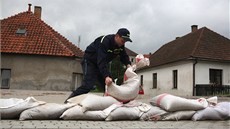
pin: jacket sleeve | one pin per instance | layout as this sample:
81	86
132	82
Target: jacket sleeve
102	61
124	57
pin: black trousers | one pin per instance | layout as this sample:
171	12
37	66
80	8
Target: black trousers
91	75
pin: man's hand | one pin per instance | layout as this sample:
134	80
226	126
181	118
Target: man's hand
108	81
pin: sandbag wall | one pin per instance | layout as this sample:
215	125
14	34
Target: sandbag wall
107	108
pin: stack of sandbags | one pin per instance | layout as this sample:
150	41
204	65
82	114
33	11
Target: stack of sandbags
179	108
130	88
12	108
89	107
221	111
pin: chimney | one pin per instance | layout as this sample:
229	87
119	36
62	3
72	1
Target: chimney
37	11
194	28
29	9
177	37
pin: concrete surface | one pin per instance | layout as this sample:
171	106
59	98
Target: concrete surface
60	96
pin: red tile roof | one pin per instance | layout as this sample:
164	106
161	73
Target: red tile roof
203	44
40	38
130	52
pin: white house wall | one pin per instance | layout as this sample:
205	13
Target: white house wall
41	72
165	79
202	72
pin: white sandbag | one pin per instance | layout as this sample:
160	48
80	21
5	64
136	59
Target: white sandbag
96	102
77	99
7	103
11	108
219	112
141	62
48	111
179	115
154	112
76	113
124	113
130	88
143	107
174	103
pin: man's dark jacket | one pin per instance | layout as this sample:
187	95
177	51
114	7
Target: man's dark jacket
103	50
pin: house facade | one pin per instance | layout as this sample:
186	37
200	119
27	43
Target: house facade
35	56
180	67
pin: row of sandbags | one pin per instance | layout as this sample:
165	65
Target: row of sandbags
94	107
179	108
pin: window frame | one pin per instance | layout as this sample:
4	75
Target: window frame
175	79
154	81
213	76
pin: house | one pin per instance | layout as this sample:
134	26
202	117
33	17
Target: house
35	56
194	64
131	55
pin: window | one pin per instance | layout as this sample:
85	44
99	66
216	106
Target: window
132	60
175	79
154	80
5	78
142	80
21	31
215	76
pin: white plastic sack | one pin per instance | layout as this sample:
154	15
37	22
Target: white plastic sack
124	113
179	115
76	113
48	111
130	88
7	103
96	102
154	112
219	112
141	62
11	108
77	99
174	103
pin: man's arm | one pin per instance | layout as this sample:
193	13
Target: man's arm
102	61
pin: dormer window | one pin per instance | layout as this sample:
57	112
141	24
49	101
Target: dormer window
21	31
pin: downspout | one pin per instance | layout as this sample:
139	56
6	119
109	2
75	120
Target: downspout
194	72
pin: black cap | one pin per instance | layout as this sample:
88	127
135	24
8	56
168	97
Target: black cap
124	33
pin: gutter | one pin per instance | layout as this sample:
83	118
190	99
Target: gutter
194	72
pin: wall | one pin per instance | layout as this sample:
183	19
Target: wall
41	72
132	59
202	71
165	79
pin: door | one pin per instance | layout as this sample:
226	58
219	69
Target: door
76	80
5	78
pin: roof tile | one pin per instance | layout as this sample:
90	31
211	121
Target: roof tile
40	38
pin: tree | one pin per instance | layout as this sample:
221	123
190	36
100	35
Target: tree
117	70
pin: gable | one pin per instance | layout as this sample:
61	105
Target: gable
39	38
201	44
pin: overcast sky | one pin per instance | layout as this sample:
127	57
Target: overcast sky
152	23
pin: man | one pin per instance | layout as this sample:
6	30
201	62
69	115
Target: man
97	57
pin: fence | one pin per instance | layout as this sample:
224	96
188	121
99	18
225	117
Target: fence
210	90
